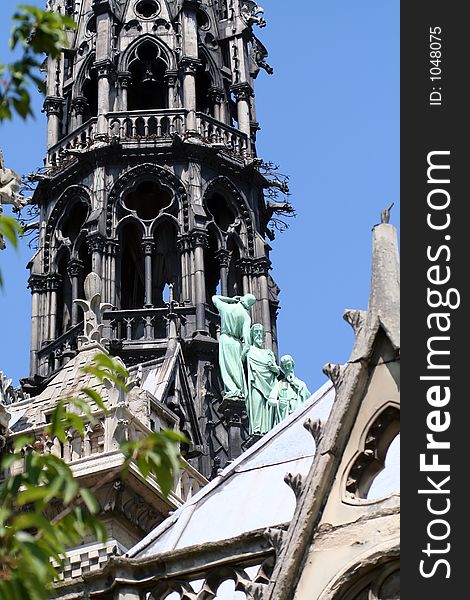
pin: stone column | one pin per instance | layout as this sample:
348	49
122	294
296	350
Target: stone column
243	93
104	70
190	60
96	246
37	285
171	77
112	253
233	412
261	268
223	258
74	270
189	67
148	247
217	97
124	78
53	284
245	266
199	241
184	248
79	105
53	107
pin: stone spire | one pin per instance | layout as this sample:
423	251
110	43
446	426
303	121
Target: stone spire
152	182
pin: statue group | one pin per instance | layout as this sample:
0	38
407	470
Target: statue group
249	370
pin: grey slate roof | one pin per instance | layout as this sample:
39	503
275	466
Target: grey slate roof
250	493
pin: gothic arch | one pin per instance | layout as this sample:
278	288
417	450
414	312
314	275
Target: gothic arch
163	48
86	86
132	178
367	572
81	77
369	460
130	219
223	186
161	219
73	194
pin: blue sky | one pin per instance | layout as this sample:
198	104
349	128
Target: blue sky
330	118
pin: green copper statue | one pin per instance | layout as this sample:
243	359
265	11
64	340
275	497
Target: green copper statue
234	341
288	393
262	371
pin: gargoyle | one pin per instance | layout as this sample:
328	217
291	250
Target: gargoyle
251	13
10	183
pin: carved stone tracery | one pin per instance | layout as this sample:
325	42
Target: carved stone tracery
371	459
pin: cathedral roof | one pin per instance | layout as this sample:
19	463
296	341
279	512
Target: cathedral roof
250	493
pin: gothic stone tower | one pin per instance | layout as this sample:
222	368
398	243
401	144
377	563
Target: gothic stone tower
151	180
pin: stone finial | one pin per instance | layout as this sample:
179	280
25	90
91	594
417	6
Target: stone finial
385	214
93	310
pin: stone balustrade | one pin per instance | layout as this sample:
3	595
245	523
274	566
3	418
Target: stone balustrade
103	438
220	134
79	140
57	353
147	127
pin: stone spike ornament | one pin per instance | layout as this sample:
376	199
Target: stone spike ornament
355	318
334	372
295	482
315	428
93	310
276	538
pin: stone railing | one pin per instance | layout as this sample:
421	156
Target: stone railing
80	139
215	132
146	125
103	437
189	482
141	325
137	325
57	353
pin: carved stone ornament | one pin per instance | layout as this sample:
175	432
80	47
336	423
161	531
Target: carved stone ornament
53	106
356	318
371	460
251	13
10	183
93	310
79	105
275	538
295	482
259	54
315	428
334	373
189	66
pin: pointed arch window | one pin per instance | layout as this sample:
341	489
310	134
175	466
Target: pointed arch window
147	66
131	272
166	264
204	83
90	94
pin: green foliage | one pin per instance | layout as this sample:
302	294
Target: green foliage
43	510
35	32
10	229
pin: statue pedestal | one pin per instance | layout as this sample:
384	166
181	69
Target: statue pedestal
233	411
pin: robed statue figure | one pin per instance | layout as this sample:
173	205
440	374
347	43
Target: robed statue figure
288	393
262	371
234	341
